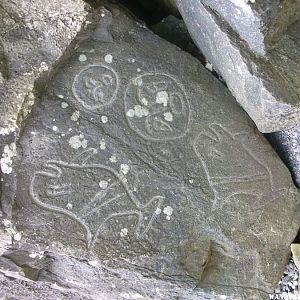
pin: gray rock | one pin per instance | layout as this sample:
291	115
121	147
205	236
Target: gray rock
34	35
132	156
287	144
174	31
74	279
234	37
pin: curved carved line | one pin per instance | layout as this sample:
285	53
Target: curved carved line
36	199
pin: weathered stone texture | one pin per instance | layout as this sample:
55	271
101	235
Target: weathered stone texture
235	47
139	155
34	35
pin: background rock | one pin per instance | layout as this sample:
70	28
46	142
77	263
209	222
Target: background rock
254	78
132	155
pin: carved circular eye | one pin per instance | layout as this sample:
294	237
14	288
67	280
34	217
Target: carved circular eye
95	86
157	107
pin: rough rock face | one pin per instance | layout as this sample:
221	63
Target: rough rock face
132	155
34	35
254	76
62	277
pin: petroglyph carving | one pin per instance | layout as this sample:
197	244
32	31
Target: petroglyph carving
95	86
93	204
156	107
215	148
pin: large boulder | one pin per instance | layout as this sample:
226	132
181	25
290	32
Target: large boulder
238	38
139	155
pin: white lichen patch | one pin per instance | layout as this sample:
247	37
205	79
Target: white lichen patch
69	206
138	111
103	184
124	232
168	116
75	116
6	161
104	119
78	141
82	57
113	159
158	211
108	58
102	144
130	113
17	236
43	67
64	105
138	70
54	128
7	130
93	263
144	101
60	96
124	168
6	223
162	97
38	255
168	211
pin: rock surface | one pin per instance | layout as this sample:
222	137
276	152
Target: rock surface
132	156
63	277
287	144
34	35
259	79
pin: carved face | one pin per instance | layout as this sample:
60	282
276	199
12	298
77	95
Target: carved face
95	86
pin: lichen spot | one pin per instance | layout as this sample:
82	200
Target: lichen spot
113	159
168	116
162	97
102	144
130	113
104	119
82	57
108	58
6	161
168	211
124	232
144	101
64	105
69	206
103	184
75	116
158	211
78	141
124	168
